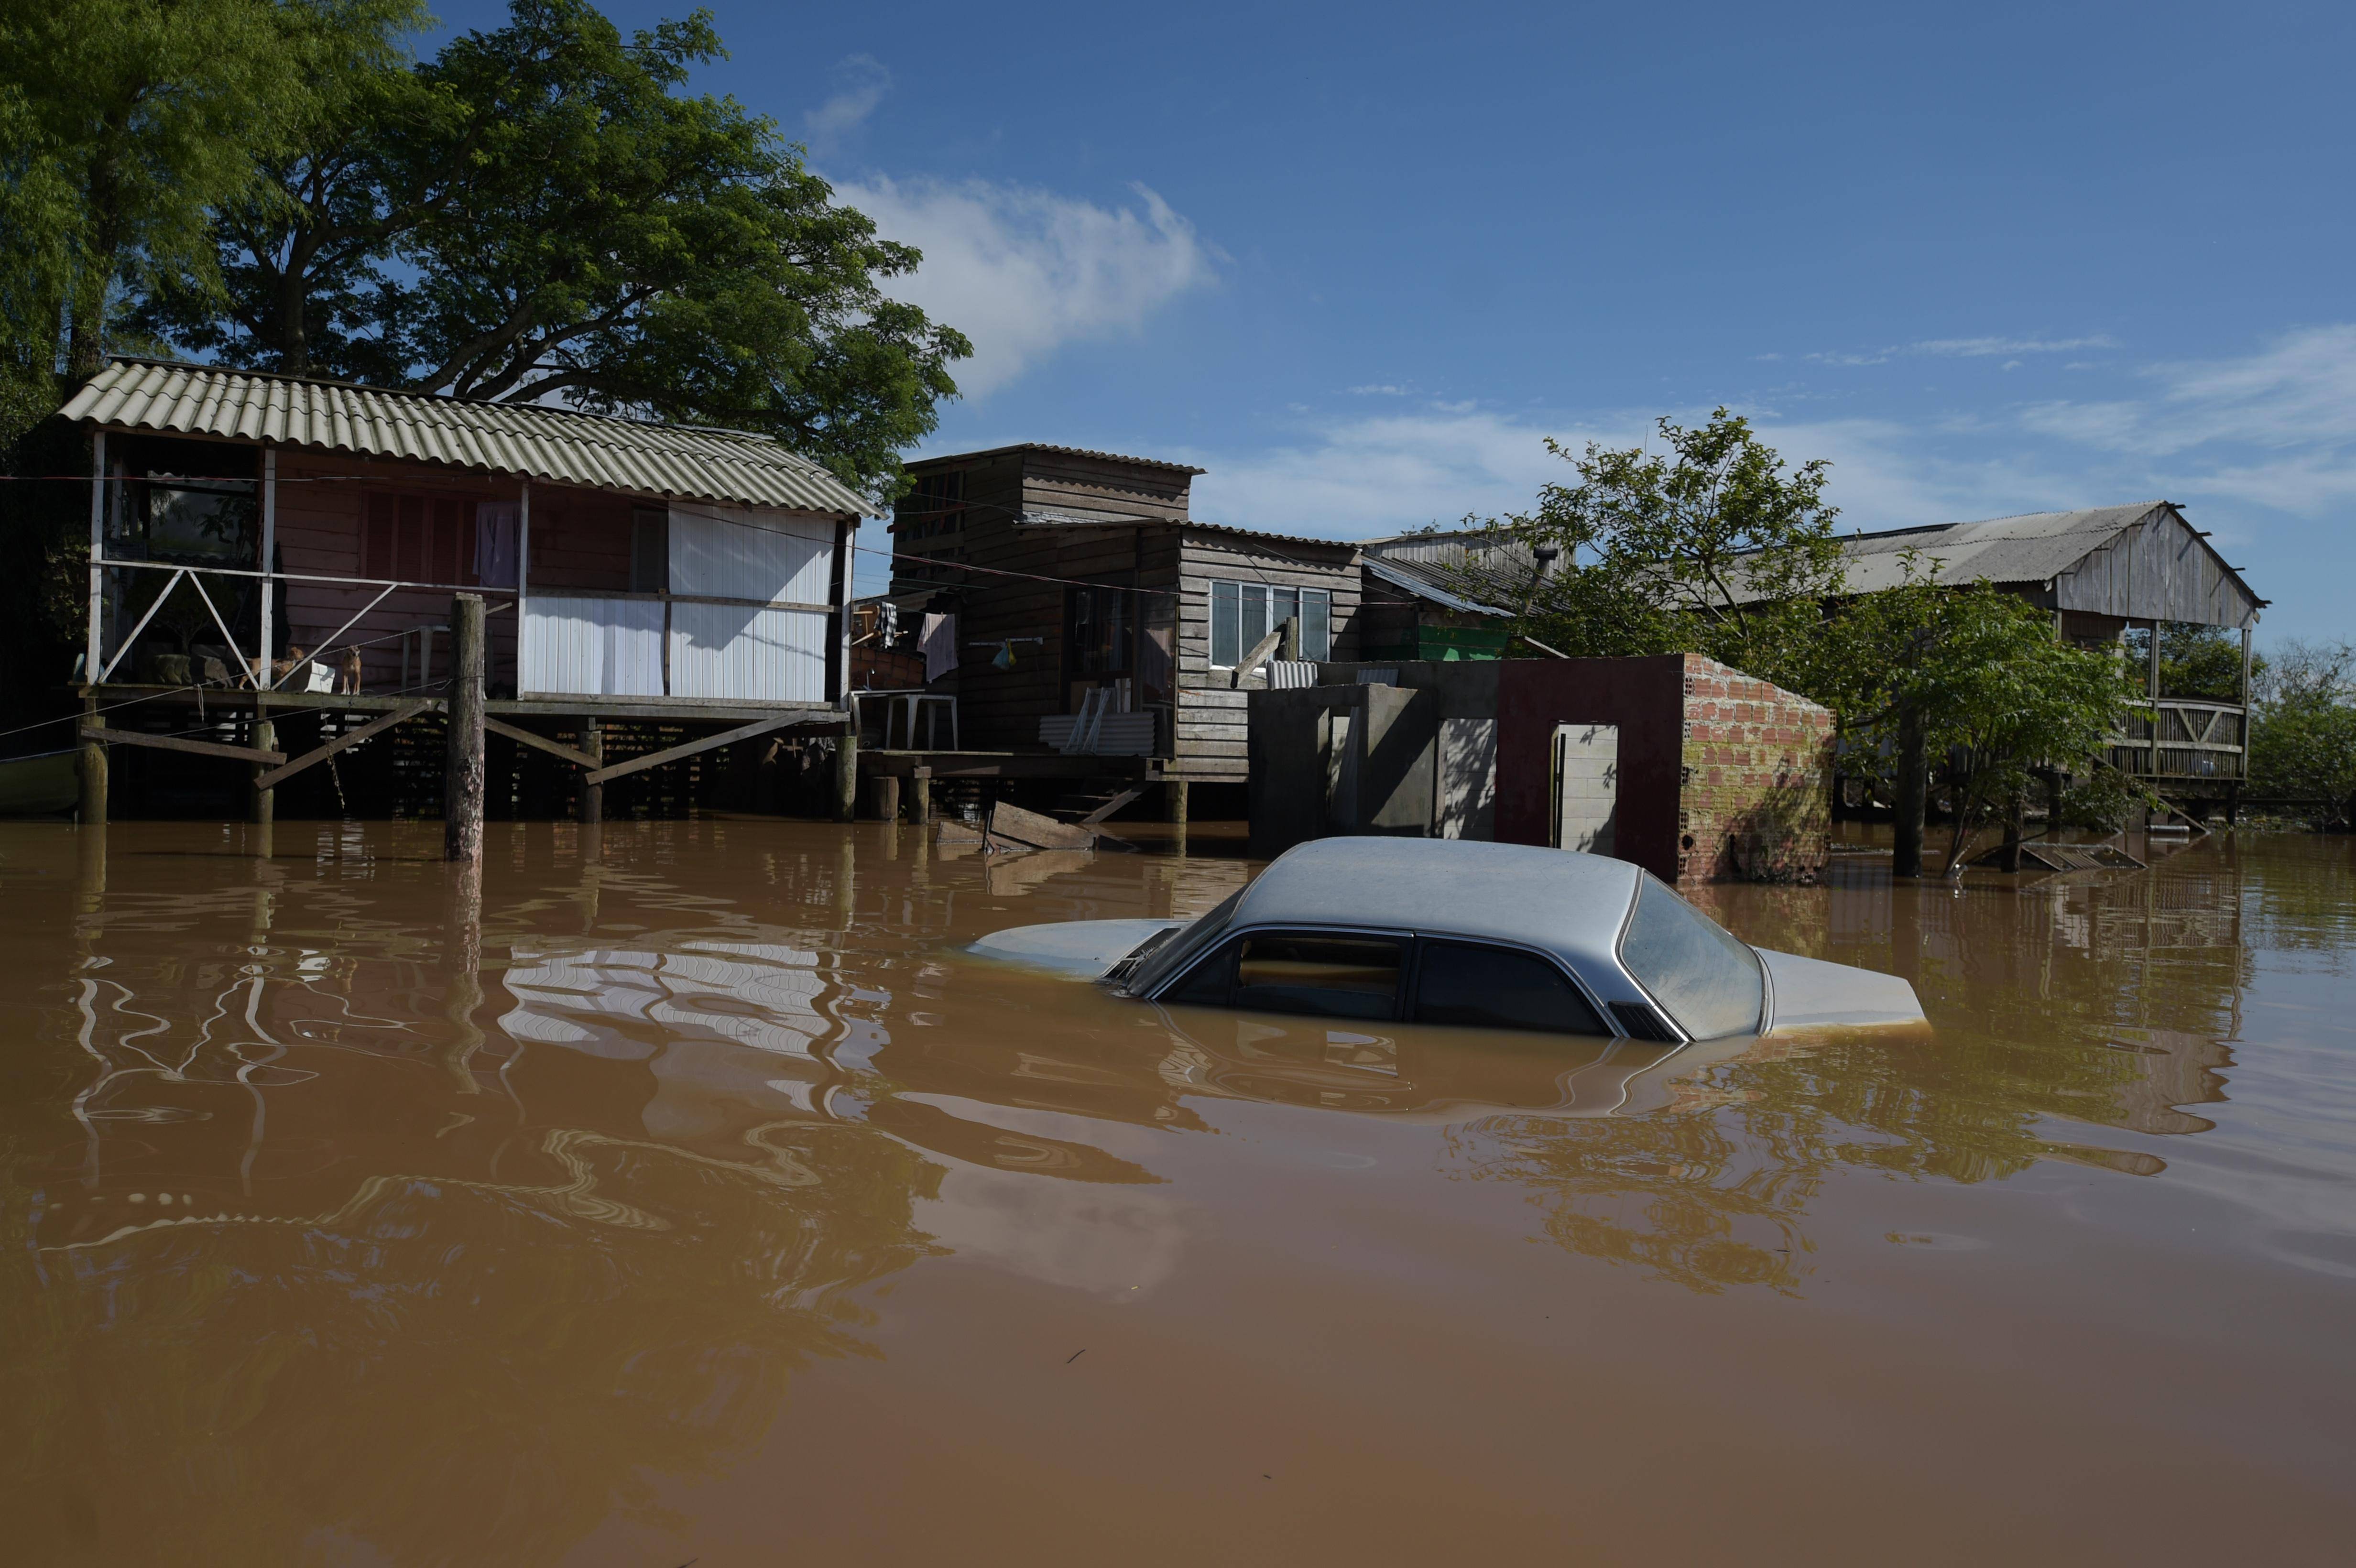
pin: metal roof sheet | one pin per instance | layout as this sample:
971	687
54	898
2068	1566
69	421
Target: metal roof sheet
2031	547
1042	517
528	438
1063	451
1481	570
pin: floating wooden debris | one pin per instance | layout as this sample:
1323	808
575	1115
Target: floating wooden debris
2069	858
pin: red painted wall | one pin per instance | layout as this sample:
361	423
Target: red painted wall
1646	698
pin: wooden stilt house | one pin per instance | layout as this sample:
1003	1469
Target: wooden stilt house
279	544
1088	600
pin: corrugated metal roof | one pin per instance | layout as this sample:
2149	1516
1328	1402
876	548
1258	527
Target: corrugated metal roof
923	463
528	438
2032	547
1042	517
1479	570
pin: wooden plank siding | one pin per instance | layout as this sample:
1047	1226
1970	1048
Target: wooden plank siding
1146	542
1213	727
323	507
2160	569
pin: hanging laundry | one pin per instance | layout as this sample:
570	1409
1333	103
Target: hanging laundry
497	525
1004	657
937	638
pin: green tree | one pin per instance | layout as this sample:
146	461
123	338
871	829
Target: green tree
543	211
1711	546
128	122
2303	725
1926	671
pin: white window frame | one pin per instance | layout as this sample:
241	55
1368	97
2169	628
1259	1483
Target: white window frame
1232	600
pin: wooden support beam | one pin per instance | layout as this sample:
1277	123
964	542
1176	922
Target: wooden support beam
174	743
554	748
726	738
407	710
1109	808
462	773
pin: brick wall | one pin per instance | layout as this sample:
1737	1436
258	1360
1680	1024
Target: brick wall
1755	796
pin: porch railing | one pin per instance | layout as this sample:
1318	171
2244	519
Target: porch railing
2183	738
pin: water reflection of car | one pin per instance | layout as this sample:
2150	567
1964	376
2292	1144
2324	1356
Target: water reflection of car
1471	934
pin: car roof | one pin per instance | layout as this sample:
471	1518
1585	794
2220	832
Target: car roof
1558	900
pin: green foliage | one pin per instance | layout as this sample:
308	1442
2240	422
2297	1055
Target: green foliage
127	124
543	211
1711	548
2195	661
2303	724
1983	674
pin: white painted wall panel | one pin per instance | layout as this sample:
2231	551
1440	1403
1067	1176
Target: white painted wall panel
748	552
1587	786
754	655
592	648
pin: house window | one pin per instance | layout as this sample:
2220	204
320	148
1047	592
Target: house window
1244	612
649	550
936	505
1104	632
419	538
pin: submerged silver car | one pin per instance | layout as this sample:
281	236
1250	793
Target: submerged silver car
1480	935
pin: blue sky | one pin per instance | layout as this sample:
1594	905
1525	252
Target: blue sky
1357	261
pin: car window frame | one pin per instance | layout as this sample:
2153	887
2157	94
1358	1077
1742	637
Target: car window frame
1410	969
1225	949
1578	986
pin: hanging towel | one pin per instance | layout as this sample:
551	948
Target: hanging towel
938	640
497	524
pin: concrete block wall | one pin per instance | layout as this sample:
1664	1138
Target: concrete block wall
1754	801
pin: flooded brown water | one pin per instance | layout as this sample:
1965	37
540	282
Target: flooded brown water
701	1200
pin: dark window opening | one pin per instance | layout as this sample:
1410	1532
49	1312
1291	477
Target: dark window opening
1103	634
649	550
934	506
419	538
1334	977
1479	986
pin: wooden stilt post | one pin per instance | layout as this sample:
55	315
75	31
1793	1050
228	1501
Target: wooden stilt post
462	777
92	811
1173	798
887	798
593	795
1912	784
265	801
920	796
846	773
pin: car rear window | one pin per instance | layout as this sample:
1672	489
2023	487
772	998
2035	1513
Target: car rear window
1479	986
1709	982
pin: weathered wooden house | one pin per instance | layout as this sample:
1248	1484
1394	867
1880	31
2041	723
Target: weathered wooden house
272	545
1098	627
2102	572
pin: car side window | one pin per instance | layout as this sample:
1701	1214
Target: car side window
1479	986
1346	976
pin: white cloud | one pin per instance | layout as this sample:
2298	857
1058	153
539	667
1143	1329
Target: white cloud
1376	391
1365	477
865	81
2290	408
1023	271
1991	348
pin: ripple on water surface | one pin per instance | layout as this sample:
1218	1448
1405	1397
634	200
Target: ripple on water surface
687	1192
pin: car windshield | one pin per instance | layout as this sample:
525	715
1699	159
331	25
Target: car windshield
1711	983
1174	954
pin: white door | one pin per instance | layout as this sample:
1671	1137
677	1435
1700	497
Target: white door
1585	786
